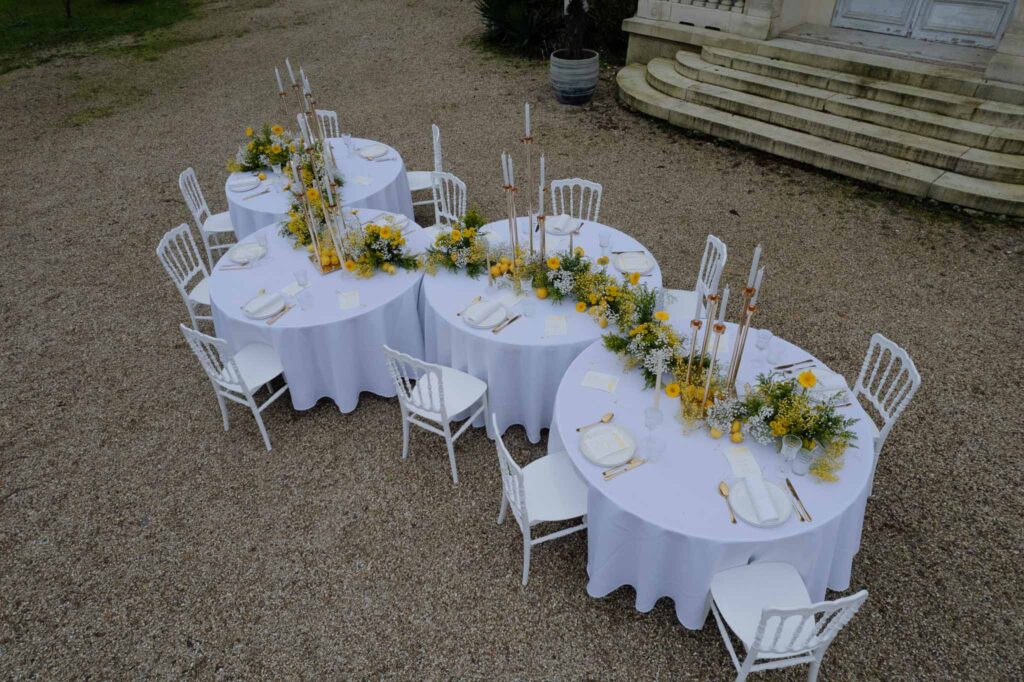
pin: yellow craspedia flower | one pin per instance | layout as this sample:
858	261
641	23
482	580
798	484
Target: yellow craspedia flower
495	271
385	232
778	428
275	148
350	265
602	323
313	194
581	307
578	251
292	148
261	176
634	278
389	268
602	260
593	299
661	315
542	293
248	131
469	232
807	379
276	129
554	263
672	390
456	235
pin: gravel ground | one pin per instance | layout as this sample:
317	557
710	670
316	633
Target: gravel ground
137	539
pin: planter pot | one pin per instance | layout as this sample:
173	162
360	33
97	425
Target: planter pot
574	80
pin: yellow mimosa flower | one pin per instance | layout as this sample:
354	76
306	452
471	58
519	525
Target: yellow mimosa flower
248	131
661	315
276	129
634	278
807	379
251	146
554	263
350	265
578	251
313	194
581	307
292	148
495	271
602	323
672	390
385	232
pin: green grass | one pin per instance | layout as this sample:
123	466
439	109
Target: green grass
33	29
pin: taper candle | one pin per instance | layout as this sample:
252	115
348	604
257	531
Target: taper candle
291	74
540	209
280	86
757	285
725	302
527	108
753	266
696	312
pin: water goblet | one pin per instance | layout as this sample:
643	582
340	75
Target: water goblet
305	300
527	305
604	238
790	448
302	277
261	239
346	139
802	463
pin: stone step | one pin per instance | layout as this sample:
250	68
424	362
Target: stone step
814	97
662	75
898	174
954	80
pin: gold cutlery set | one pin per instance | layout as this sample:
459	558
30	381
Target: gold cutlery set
798	504
279	315
633	463
507	321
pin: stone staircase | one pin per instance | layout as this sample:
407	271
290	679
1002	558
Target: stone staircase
922	129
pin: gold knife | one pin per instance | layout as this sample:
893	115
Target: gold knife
277	317
629	467
793	364
799	501
256	195
506	323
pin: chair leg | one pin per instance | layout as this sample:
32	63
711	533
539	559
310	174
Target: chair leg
223	409
812	674
504	508
259	422
405	436
451	452
526	558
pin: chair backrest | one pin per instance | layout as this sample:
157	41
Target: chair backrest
513	484
579	198
223	371
435	136
711	265
889	390
194	199
328	120
180	257
791	631
418	383
450	198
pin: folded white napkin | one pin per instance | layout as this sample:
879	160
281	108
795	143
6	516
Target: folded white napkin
481	311
262	304
243	183
348	300
742	462
761	499
600	381
372	151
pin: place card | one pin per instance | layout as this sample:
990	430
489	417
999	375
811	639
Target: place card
362	180
554	325
742	462
604	443
600	381
292	289
348	300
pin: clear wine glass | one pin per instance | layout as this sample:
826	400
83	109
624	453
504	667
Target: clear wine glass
653	418
604	238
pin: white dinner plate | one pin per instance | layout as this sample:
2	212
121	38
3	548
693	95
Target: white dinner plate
637	261
607	445
373	151
739	496
244	253
560	225
491	321
243	184
263	306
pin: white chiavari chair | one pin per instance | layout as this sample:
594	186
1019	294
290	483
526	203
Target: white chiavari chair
239	376
213	227
887	381
451	199
768	608
431	396
328	120
421	181
680	303
184	264
577	197
546	489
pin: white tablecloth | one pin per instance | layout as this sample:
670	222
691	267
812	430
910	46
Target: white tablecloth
325	351
663	528
368	184
521	367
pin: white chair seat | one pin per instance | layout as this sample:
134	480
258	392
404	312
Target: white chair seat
201	292
742	593
680	311
258	363
419	180
218	222
555	491
461	390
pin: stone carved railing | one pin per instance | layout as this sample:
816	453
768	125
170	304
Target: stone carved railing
750	18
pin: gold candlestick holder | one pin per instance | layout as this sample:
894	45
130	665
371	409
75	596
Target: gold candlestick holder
718	328
528	143
695	325
712	310
513	237
543	229
741	338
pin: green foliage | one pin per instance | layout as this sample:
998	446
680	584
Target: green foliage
34	26
473	219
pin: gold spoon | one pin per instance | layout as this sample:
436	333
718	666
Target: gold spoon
605	418
723	489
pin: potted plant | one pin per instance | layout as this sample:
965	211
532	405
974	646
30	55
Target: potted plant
574	69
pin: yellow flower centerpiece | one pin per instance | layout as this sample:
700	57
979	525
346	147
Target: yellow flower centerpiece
377	247
462	248
262	150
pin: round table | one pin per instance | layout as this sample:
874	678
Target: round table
521	366
368	184
325	351
664	529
